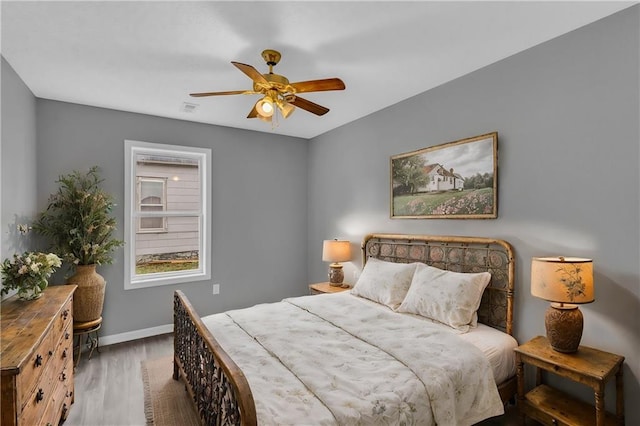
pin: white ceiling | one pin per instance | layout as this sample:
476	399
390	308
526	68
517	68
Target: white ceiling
146	57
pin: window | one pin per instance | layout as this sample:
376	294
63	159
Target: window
151	196
167	214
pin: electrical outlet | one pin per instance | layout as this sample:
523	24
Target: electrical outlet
216	289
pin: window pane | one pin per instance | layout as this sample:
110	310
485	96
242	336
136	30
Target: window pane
151	223
150	201
151	190
175	250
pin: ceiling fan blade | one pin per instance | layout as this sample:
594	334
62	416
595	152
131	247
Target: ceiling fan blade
232	92
318	85
250	71
253	113
309	106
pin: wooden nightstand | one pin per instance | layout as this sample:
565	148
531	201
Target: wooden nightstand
322	288
588	366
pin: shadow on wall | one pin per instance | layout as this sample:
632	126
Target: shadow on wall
617	308
18	238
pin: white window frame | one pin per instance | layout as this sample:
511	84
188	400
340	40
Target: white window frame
132	281
163	181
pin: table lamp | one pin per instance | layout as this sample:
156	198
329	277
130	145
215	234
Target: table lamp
336	251
565	282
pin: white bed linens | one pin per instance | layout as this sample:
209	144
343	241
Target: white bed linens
311	360
497	346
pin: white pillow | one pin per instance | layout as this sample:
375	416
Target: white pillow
448	297
384	282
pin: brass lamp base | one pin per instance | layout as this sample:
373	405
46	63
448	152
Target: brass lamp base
564	327
336	276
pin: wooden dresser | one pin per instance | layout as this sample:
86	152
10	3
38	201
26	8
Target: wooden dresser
36	355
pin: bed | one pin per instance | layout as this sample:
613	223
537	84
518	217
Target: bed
301	356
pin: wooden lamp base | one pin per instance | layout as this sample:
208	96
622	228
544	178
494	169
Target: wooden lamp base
564	325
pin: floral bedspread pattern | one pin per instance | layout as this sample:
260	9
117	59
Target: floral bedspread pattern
373	366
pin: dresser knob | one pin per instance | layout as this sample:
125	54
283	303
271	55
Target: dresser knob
38	361
67	335
64	354
50	353
65	314
39	395
63	376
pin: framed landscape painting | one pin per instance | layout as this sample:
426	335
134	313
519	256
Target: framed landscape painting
455	180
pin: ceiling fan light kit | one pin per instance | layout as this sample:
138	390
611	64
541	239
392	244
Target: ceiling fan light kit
265	106
285	108
278	95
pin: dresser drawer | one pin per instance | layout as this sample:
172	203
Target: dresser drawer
64	348
58	406
62	393
34	368
36	402
63	321
62	362
55	383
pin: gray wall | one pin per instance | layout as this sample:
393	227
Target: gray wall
567	115
259	216
18	161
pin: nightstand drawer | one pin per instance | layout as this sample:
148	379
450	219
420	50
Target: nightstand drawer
588	366
550	406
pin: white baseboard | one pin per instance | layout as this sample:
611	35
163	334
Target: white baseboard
135	334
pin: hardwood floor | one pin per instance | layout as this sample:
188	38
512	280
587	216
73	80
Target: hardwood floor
108	387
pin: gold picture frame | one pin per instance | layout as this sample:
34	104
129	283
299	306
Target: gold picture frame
455	180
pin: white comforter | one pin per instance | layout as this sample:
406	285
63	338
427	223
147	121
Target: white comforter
313	362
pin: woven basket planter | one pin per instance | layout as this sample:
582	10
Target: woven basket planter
89	296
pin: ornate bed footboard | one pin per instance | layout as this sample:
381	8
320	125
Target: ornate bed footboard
216	384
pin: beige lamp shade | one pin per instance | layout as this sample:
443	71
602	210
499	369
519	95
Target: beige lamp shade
336	251
562	279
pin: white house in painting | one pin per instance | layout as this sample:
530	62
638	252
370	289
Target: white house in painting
441	179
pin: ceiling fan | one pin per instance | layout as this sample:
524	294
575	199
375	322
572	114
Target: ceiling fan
277	93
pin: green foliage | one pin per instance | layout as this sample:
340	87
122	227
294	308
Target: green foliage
78	222
478	181
154	268
409	173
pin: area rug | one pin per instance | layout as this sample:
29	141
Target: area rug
166	402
